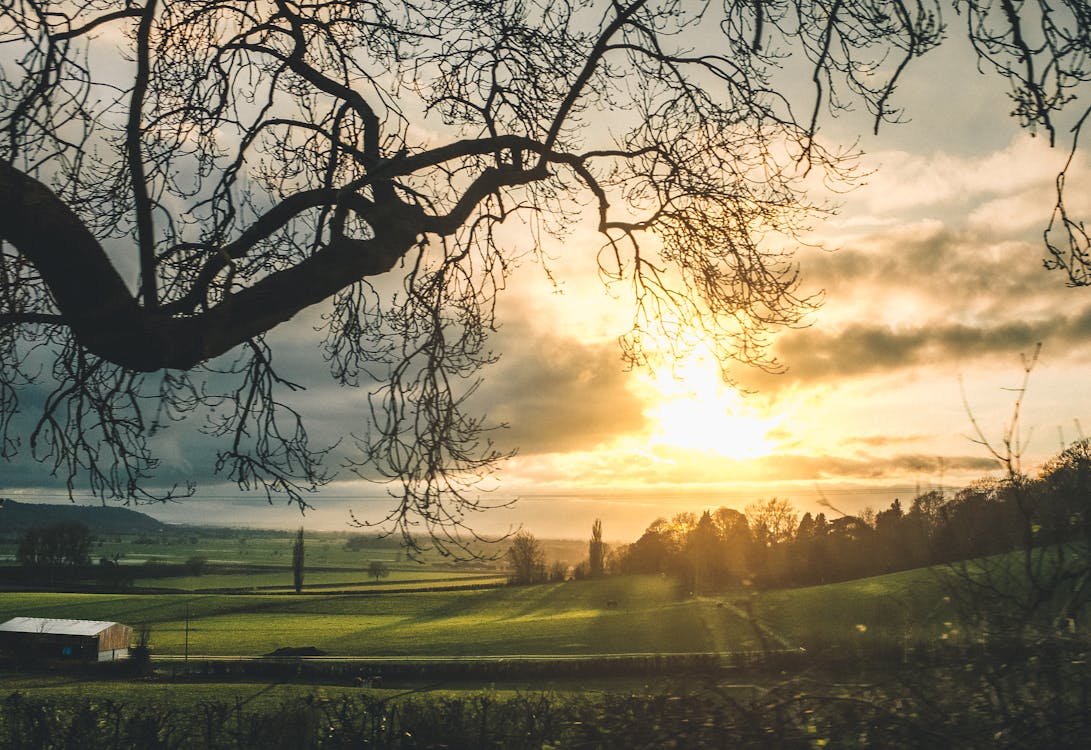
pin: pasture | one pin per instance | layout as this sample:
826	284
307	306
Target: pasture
653	615
908	609
242	560
290	703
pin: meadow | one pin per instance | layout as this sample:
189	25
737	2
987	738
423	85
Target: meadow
242	605
652	615
574	617
908	610
854	677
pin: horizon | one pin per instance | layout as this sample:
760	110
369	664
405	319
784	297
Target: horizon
561	516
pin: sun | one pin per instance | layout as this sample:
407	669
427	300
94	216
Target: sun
691	408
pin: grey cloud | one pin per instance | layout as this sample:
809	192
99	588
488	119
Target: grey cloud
814	356
794	467
557	394
953	268
971	297
690	469
553	393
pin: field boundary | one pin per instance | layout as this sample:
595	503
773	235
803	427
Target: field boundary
365	669
367	587
742	655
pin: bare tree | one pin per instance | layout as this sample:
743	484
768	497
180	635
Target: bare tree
163	209
774	520
526	558
1041	594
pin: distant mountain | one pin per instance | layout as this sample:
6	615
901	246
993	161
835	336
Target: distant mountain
17	517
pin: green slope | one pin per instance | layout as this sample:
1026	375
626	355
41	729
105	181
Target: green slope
652	615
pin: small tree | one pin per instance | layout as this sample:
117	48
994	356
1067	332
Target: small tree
140	658
558	571
596	550
378	569
526	558
356	542
1038	597
703	569
111	574
196	565
297	561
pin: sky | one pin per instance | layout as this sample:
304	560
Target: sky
933	290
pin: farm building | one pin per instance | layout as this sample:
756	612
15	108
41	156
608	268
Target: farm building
79	640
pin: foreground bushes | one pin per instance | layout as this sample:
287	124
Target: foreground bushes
1040	701
474	721
478	669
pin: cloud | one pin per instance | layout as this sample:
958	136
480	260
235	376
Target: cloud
690	469
816	356
794	467
928	268
557	394
881	441
949	238
943	182
929	293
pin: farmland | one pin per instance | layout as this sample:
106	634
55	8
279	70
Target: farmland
573	622
560	618
242	604
434	652
844	680
653	615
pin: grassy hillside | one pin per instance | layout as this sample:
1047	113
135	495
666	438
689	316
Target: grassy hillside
900	609
652	616
836	702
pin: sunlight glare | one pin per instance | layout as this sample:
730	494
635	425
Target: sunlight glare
693	409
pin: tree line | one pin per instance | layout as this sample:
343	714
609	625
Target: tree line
526	559
769	544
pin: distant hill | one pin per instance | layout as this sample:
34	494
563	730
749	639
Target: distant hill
17	517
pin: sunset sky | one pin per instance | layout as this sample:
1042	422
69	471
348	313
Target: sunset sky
933	288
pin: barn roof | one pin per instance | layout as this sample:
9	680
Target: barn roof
54	626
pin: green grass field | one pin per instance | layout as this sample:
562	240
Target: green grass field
165	693
266	548
851	633
900	609
281	580
251	611
240	561
653	616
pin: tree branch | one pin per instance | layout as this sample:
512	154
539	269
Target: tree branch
104	316
134	132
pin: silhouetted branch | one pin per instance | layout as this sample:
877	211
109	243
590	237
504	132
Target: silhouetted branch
253	160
